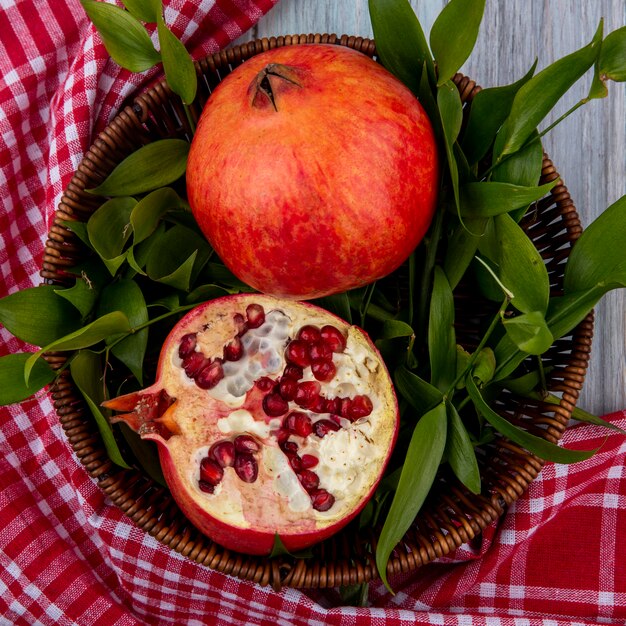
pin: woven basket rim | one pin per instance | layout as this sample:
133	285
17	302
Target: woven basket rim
456	517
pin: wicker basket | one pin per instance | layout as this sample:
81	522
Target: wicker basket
451	515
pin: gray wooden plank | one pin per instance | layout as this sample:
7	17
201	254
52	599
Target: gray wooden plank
588	149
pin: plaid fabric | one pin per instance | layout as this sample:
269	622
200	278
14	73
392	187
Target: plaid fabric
68	557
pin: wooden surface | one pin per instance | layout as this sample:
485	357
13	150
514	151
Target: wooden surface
588	149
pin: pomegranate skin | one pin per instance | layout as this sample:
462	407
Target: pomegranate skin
256	491
326	184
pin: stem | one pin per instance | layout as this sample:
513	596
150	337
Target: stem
365	302
492	326
192	123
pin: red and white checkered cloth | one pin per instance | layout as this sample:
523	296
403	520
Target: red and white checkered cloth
67	556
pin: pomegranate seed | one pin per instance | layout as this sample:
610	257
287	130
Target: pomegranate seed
345	405
319	406
289	446
210	471
193	363
322	500
334	338
223	452
281	434
361	407
309	333
233	350
298	423
320	351
187	345
210	375
240	324
246	443
246	467
309	461
333	405
206	487
293	371
309	480
307	394
274	405
255	315
288	388
265	384
297	353
294	461
323	371
322	427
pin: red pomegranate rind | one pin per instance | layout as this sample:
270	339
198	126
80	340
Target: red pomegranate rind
240	474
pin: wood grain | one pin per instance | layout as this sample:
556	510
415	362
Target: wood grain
588	149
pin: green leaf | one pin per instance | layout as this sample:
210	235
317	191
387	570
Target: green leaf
522	385
462	245
82	295
523	167
144	10
451	116
279	549
154	165
487	199
540	94
484	366
566	312
109	230
392	329
538	446
520	266
400	41
489	108
418	474
84	337
339	304
125	39
453	35
126	296
79	229
202	293
38	315
87	374
612	59
441	335
145	451
598	256
422	396
149	211
13	387
180	71
460	452
529	332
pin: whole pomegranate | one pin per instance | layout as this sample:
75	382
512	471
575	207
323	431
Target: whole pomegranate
270	416
313	171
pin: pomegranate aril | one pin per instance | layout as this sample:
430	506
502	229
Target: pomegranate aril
297	353
187	345
320	351
309	480
345	406
281	434
289	446
255	315
265	384
210	471
323	371
210	375
309	461
206	487
332	405
193	363
275	405
246	467
322	427
233	350
240	323
309	333
294	462
298	423
223	452
307	394
321	500
334	338
288	388
246	443
319	406
361	407
293	371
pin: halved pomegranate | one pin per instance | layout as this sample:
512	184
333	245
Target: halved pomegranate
271	417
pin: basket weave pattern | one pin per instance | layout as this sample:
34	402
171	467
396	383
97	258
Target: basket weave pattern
452	515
